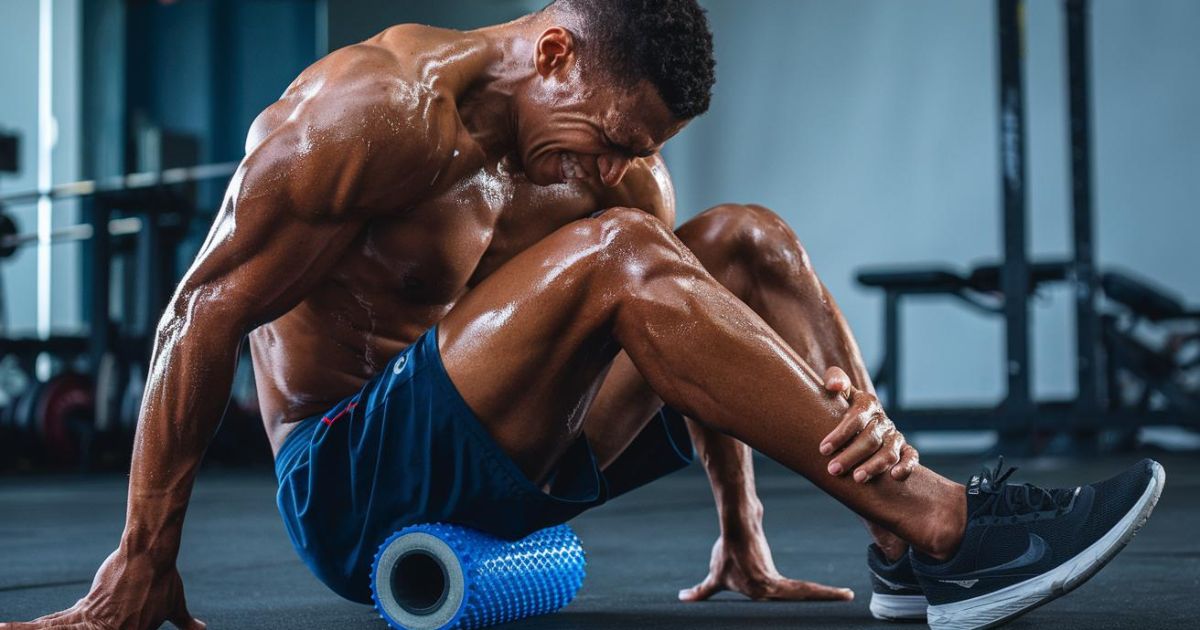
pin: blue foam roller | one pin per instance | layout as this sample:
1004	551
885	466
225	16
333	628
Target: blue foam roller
435	576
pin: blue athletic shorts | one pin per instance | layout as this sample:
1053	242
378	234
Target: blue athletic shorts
406	449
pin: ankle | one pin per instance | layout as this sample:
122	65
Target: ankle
946	525
893	550
892	546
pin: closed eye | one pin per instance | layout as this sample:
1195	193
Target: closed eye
630	153
626	151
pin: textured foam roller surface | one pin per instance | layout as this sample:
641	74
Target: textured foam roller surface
445	576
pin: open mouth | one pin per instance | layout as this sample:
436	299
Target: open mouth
570	168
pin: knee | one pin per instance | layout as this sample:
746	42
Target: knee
636	242
749	236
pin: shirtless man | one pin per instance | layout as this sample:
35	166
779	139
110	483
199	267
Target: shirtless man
453	255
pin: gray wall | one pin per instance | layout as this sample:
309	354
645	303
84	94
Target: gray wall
870	125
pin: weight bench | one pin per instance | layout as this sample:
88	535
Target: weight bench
1145	300
1161	368
979	289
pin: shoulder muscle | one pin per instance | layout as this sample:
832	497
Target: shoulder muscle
352	133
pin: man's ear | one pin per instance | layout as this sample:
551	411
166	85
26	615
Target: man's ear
555	52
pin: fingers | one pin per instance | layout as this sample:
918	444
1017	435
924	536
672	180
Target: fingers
909	459
41	623
180	617
863	408
861	448
869	443
62	619
45	619
799	590
885	457
836	380
185	621
701	591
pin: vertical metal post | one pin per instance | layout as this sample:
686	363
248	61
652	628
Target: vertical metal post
1079	128
152	267
1015	273
98	272
891	351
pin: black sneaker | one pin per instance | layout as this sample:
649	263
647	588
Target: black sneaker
895	593
1024	545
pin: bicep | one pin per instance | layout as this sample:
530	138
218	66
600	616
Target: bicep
278	233
259	262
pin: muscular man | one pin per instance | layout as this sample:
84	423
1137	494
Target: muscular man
453	255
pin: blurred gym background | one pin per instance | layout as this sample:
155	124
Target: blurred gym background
1001	195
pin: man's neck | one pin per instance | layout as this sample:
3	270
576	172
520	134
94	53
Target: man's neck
495	63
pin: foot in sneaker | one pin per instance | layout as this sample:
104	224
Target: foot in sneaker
895	593
1024	546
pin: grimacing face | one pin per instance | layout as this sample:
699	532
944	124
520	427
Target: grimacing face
578	123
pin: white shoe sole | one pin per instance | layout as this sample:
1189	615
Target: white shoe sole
886	607
993	609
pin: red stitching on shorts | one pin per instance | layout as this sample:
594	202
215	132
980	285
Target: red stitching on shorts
328	421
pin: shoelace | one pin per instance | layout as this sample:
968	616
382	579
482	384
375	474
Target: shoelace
1020	499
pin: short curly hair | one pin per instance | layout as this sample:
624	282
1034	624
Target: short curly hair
666	42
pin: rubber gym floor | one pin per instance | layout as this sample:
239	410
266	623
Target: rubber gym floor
241	572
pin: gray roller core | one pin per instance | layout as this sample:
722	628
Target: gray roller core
419	581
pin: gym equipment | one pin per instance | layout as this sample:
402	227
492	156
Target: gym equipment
13	380
980	288
132	228
64	413
436	576
9	153
11	240
8	229
55	419
1143	374
125	183
21	437
1004	289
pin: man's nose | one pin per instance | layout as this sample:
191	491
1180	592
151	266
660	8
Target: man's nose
612	169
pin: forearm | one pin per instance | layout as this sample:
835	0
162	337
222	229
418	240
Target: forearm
191	373
730	467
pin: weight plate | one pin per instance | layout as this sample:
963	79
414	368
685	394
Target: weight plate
65	409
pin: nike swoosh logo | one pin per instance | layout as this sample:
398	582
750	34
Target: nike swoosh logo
1033	553
894	585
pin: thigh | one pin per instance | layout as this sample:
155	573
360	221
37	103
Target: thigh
620	411
529	346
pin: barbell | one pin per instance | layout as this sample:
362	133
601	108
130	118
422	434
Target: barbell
11	239
132	181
